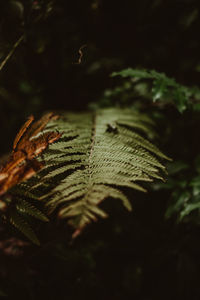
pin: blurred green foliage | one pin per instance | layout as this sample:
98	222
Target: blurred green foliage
162	88
184	184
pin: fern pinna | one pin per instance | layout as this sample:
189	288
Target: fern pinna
97	154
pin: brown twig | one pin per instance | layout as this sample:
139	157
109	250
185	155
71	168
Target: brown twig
11	52
80	52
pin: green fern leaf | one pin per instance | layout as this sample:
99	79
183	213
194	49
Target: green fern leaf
97	154
29	209
20	205
19	222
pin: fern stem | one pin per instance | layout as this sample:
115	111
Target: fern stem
94	123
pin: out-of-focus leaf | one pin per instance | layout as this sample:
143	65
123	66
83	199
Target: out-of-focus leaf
189	208
159	90
132	73
177	167
163	88
178	201
181	99
195	184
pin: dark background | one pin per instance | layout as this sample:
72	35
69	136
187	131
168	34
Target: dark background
140	255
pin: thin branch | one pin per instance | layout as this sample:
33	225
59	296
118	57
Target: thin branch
18	42
80	52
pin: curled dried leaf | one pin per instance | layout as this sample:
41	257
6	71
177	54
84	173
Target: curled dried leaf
22	163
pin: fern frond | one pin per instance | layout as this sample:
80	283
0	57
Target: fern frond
97	154
29	209
19	222
19	206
